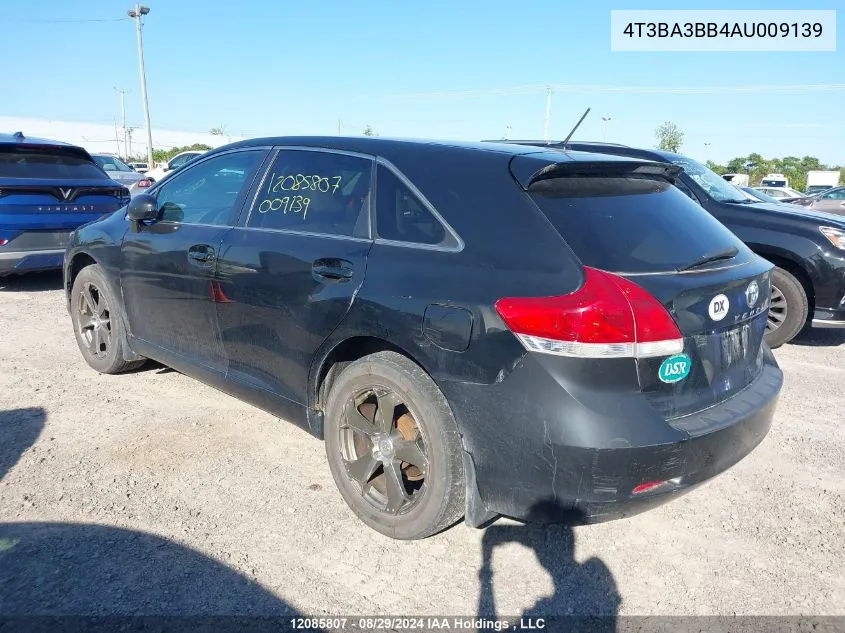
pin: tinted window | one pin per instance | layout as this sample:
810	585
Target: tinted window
836	194
181	160
28	162
205	193
687	191
629	224
401	216
317	192
111	163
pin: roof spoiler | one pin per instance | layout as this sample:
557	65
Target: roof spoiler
526	173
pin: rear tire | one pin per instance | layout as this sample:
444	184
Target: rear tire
98	323
788	308
402	474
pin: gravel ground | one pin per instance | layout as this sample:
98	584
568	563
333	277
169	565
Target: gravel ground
152	493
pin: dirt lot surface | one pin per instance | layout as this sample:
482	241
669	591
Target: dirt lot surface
152	493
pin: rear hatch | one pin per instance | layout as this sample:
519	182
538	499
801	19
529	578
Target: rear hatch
624	217
47	191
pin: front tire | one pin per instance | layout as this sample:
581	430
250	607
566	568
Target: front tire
788	308
393	447
97	323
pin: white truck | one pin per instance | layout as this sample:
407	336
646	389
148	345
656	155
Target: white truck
821	181
775	180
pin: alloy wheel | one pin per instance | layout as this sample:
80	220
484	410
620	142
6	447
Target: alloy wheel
94	320
384	450
777	310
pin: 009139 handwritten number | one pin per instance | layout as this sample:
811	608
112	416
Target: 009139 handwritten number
288	204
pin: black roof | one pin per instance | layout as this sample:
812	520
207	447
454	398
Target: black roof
385	146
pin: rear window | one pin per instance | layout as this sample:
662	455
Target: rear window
630	225
29	162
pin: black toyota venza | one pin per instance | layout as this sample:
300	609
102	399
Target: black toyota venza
474	329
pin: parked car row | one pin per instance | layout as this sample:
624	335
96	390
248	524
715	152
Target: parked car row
777	185
152	176
542	331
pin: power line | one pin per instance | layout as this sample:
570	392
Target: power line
62	20
610	89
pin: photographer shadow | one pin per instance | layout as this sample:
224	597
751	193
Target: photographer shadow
585	595
72	577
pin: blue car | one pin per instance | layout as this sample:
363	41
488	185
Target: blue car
47	189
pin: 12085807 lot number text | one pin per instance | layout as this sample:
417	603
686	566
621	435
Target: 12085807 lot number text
303	182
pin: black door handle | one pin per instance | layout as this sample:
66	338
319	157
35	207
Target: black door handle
201	254
332	270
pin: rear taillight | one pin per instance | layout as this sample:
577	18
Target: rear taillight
608	317
146	182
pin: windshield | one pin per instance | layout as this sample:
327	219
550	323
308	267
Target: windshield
111	163
716	187
759	195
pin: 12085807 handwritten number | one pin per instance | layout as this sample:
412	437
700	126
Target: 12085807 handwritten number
303	182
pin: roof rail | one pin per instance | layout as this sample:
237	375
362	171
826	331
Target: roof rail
554	143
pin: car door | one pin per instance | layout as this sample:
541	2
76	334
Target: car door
288	274
832	201
168	265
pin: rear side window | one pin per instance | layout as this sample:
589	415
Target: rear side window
838	194
630	225
401	216
33	162
315	192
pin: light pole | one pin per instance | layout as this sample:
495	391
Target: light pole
136	14
605	119
548	113
123	118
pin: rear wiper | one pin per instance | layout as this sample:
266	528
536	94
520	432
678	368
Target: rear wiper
725	253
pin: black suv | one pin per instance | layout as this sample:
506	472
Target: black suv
807	247
473	329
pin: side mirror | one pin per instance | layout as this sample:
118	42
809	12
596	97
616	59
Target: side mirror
142	207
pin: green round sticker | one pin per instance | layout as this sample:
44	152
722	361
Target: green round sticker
675	368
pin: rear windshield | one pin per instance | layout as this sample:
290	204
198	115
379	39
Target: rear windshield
630	225
29	162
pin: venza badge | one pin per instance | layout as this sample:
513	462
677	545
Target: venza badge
719	306
752	293
675	368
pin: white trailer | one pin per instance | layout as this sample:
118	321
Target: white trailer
821	181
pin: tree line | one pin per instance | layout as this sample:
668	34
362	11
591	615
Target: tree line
163	155
757	167
670	138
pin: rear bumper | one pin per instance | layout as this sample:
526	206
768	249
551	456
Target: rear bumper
32	250
30	261
541	455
